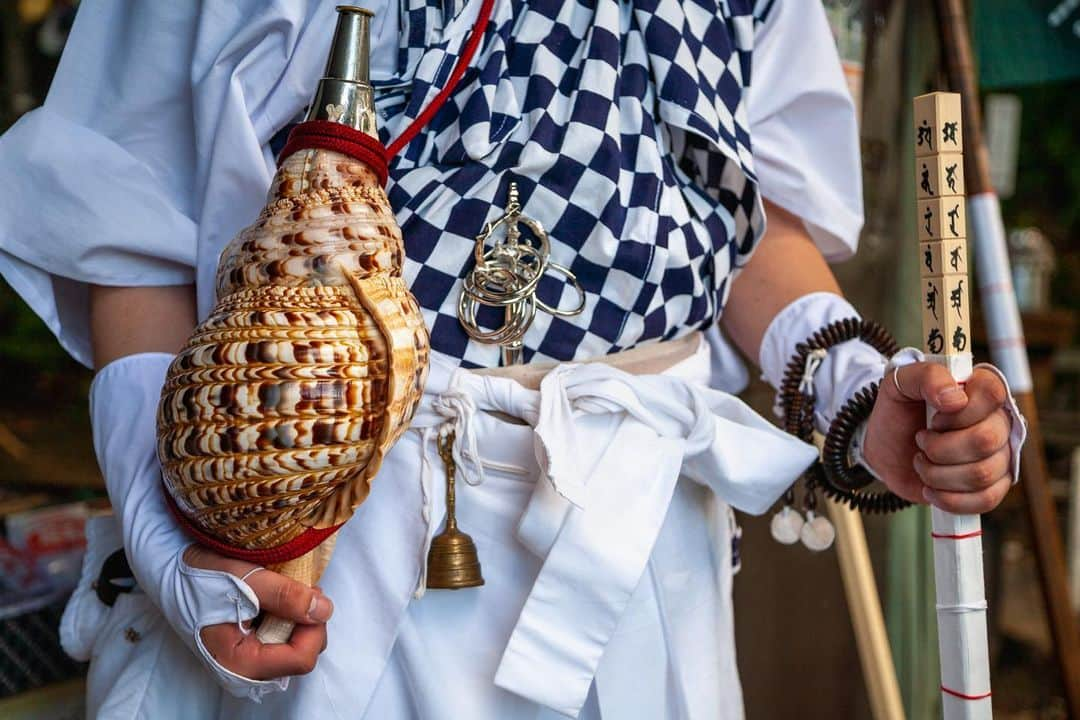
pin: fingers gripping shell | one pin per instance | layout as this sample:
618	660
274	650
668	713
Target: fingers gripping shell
277	413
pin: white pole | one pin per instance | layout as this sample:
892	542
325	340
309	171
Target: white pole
945	287
1006	347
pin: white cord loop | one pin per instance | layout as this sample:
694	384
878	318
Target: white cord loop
239	603
813	362
251	572
459	411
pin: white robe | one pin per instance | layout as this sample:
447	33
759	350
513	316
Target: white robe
605	535
152	151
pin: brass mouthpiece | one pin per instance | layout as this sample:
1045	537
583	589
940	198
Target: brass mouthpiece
345	94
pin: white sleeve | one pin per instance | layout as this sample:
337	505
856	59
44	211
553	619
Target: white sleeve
98	182
803	126
156	110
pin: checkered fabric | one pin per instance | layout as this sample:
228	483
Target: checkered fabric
623	123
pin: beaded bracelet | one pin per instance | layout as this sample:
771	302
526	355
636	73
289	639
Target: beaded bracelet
833	473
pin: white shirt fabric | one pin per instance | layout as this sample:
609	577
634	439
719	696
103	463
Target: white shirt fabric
151	150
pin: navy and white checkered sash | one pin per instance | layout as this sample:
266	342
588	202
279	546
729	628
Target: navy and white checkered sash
624	124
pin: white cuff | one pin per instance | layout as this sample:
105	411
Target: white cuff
846	368
123	407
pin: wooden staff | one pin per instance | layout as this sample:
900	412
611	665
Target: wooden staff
958	570
1007	347
864	605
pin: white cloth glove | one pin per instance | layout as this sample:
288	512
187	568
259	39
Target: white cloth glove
123	408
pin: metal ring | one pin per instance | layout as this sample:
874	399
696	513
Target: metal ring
512	331
506	259
573	281
507	275
493	286
480	289
504	272
518	316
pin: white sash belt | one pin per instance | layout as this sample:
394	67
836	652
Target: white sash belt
610	447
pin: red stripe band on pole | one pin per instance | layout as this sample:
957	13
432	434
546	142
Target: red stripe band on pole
962	696
943	536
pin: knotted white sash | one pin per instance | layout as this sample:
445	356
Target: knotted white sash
611	447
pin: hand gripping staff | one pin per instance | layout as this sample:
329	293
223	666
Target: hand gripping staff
278	411
946	313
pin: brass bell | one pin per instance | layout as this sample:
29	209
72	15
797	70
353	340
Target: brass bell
452	560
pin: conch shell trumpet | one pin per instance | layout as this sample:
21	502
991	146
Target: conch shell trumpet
277	413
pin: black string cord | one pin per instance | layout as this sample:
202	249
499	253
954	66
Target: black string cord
836	477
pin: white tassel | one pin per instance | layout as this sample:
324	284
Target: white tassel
786	526
817	532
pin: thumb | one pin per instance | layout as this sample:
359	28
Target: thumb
290	599
927	382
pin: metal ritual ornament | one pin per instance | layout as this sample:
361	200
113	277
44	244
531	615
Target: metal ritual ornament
507	275
452	560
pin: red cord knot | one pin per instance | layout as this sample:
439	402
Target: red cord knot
326	135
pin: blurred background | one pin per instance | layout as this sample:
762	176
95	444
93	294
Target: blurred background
794	626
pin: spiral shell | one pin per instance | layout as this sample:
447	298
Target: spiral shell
277	413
